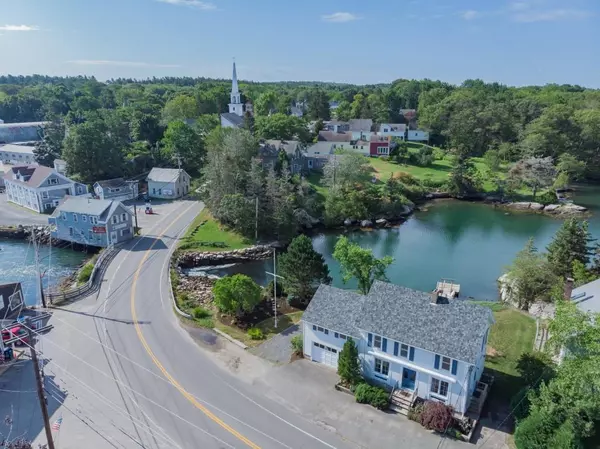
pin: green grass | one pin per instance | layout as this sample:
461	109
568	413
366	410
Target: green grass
438	171
513	334
267	327
207	234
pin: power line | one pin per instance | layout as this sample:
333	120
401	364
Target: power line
129	388
208	404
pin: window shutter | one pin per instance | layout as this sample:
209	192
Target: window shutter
437	362
370	340
384	345
396	345
454	366
411	354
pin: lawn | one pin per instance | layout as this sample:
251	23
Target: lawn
266	326
207	234
512	335
438	171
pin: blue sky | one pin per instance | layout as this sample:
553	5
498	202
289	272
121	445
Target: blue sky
515	42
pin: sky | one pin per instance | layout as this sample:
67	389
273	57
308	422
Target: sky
515	42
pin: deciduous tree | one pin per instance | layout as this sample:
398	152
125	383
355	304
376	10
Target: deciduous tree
237	294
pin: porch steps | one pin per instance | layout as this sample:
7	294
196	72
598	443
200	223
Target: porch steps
401	401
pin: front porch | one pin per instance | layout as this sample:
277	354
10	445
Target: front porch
402	400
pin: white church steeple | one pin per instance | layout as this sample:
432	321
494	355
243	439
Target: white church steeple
235	105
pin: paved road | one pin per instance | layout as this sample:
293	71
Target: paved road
163	389
13	215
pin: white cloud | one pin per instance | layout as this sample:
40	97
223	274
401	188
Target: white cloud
19	28
470	14
121	63
518	6
553	15
205	6
340	17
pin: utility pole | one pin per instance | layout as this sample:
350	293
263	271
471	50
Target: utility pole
36	248
135	215
256	223
275	276
39	385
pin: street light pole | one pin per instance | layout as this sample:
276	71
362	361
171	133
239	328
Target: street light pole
275	276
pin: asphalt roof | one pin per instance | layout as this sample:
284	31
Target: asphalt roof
80	205
23	149
233	118
335	308
361	124
587	297
111	183
37	174
165	175
22	124
454	328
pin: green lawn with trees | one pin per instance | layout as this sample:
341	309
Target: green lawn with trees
207	234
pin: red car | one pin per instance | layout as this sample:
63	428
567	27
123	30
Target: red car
16	331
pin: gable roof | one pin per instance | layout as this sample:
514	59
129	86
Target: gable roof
454	329
332	136
111	183
361	124
335	308
37	174
587	297
289	146
20	149
232	118
165	175
80	205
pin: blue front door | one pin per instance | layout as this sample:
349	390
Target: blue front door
409	377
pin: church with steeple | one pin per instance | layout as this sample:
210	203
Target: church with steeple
235	117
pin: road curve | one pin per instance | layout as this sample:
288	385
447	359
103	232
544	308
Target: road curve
165	379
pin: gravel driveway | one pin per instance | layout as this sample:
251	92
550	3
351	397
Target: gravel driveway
279	348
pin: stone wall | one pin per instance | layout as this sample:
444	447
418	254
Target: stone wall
200	259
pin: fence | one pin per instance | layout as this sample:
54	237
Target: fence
93	283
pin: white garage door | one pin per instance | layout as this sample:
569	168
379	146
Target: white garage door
325	354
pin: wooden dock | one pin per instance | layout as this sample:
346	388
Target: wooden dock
448	288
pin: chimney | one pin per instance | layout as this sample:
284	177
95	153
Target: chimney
569	288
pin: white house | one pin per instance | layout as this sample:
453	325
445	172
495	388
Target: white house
393	130
17	154
116	189
417	135
168	183
360	128
416	343
39	188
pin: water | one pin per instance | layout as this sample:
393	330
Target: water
17	264
468	242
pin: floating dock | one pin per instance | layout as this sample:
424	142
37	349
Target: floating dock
448	288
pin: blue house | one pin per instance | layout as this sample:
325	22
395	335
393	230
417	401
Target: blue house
92	222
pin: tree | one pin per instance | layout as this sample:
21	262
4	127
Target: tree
281	127
302	268
343	112
265	103
347	170
237	294
492	159
182	107
359	263
318	105
50	147
181	141
530	276
570	243
464	177
534	172
348	364
569	169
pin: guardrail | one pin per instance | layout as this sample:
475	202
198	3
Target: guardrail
93	283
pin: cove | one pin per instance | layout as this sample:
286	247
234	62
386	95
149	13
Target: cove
468	242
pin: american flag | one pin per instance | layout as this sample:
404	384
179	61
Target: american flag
57	423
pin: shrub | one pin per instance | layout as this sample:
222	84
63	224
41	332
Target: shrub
85	273
370	394
548	197
255	333
433	183
200	313
415	413
438	154
297	344
348	365
405	178
206	322
385	158
436	416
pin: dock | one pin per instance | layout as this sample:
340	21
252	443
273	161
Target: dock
448	288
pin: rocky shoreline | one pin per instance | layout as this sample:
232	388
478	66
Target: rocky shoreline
565	209
42	233
211	258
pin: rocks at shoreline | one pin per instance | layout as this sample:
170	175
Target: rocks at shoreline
379	222
198	288
551	209
198	259
24	233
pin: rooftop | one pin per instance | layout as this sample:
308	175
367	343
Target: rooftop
233	118
21	149
22	124
587	297
111	183
361	124
80	205
454	328
332	136
164	174
34	175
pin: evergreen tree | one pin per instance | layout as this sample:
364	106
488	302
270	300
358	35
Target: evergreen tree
302	268
348	364
571	243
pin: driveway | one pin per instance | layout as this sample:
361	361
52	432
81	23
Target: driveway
13	215
160	209
308	388
278	349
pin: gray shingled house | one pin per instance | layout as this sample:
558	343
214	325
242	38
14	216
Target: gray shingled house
414	343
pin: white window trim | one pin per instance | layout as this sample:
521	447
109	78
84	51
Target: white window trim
407	350
442	363
437	394
84	218
375	337
411	365
382	364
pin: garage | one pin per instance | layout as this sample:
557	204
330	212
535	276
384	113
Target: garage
325	354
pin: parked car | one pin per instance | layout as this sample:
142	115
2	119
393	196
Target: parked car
16	331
